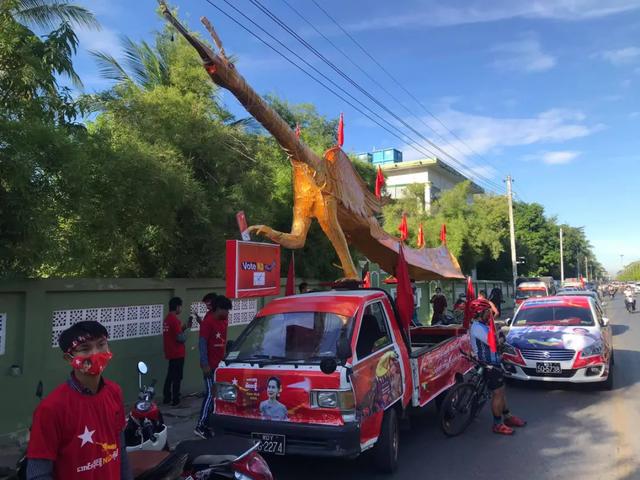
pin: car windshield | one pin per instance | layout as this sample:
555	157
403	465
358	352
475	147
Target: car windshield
531	292
298	336
554	315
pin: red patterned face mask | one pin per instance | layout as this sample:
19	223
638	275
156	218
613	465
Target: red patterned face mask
91	364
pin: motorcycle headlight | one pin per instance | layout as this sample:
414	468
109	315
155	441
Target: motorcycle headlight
226	392
593	350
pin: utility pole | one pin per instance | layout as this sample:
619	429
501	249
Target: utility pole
586	267
561	258
512	232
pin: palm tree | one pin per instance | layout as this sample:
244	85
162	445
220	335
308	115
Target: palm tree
51	13
148	66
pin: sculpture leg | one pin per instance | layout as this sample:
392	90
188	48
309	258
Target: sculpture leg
327	216
299	229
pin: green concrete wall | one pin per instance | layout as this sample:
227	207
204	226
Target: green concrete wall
29	356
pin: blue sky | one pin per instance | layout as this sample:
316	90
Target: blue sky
547	91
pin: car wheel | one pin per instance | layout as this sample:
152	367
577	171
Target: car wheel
387	448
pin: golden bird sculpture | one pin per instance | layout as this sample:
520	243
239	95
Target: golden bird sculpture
328	189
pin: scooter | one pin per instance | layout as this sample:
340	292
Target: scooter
145	429
630	303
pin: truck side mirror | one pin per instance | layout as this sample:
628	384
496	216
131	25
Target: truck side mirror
142	368
508	322
605	321
328	365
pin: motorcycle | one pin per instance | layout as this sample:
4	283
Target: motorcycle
630	303
145	429
221	457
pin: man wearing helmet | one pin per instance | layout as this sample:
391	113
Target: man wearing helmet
503	420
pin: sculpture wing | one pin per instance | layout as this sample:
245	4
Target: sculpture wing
344	183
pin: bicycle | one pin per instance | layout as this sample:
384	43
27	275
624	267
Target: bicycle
464	400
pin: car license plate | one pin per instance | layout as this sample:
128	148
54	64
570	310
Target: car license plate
270	443
548	368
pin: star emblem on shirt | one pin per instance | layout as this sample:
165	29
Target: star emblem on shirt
218	336
87	436
234	381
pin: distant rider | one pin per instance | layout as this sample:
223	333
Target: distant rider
630	297
503	419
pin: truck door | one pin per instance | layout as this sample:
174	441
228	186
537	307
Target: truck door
377	373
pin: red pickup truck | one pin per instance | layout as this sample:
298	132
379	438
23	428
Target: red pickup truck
331	374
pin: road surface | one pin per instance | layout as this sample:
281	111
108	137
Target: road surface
573	432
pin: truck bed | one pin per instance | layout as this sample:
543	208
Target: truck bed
436	359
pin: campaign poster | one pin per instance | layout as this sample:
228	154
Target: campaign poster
253	269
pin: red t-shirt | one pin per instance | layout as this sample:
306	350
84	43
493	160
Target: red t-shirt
215	333
80	433
171	328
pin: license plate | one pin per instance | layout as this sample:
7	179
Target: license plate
548	368
270	443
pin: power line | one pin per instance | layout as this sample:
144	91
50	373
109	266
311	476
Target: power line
396	81
400	135
416	147
385	90
306	44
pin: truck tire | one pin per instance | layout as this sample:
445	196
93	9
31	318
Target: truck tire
386	450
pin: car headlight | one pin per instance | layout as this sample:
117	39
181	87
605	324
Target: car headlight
593	350
509	349
342	399
226	392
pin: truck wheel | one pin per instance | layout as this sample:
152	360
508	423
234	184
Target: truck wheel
386	450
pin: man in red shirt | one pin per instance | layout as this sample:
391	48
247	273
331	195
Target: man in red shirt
77	430
212	345
174	337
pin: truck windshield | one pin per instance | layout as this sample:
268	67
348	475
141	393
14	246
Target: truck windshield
300	336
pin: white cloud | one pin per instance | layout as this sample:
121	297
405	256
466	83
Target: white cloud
634	115
559	157
621	56
523	55
104	40
432	13
491	135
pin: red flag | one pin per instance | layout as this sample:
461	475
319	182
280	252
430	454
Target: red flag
581	281
341	131
420	237
443	234
366	282
379	183
403	228
298	131
491	338
470	296
404	292
290	288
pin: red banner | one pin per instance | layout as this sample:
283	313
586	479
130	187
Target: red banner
253	269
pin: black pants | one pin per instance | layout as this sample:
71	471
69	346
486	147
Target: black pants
172	382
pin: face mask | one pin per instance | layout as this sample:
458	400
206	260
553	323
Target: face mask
91	364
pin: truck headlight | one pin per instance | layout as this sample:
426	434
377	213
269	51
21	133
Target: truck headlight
226	392
341	399
593	350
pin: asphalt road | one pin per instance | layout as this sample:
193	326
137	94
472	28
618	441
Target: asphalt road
573	432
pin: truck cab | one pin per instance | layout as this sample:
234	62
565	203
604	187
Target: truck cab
330	374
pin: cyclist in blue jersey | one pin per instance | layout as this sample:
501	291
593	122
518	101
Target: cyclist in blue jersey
503	419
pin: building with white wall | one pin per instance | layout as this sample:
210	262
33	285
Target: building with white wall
433	173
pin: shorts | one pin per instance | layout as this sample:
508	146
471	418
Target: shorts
494	378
